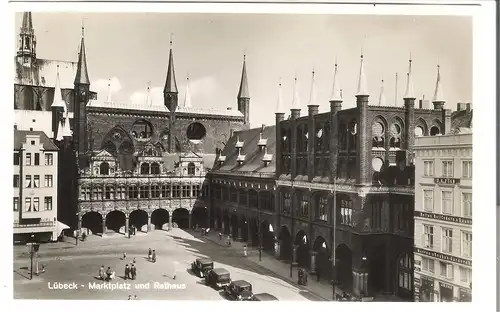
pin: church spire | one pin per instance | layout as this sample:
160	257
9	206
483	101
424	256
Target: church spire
66	132
312	95
381	98
58	101
243	92
27	40
438	93
279	105
82	75
60	130
296	99
409	94
171	83
336	94
362	90
27	23
187	98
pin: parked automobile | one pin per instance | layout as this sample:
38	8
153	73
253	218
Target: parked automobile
201	266
239	291
218	278
264	297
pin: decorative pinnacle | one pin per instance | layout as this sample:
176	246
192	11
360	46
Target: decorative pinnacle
171	38
83	27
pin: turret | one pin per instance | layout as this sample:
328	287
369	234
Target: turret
280	116
438	99
244	94
26	52
170	92
409	100
294	115
335	107
361	130
187	97
312	110
381	98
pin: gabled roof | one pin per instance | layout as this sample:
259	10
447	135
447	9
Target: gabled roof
20	139
253	155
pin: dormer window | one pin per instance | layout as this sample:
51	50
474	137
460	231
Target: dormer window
262	142
240	159
267	158
221	159
239	144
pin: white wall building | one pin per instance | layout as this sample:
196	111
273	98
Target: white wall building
443	218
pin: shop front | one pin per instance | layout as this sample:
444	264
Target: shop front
465	295
445	292
426	292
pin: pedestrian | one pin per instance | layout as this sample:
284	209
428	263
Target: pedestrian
135	297
127	272
133	260
220	236
124	255
245	251
154	256
101	272
129	297
108	274
149	254
133	271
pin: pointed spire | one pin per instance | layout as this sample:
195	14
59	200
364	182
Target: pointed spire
149	102
171	83
336	93
243	92
296	99
109	91
438	93
58	101
187	98
82	75
66	127
60	130
409	94
312	95
362	90
279	105
27	25
381	99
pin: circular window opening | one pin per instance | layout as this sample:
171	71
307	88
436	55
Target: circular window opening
395	129
196	131
377	164
419	131
434	130
141	130
377	129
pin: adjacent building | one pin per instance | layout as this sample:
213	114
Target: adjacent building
35	187
443	214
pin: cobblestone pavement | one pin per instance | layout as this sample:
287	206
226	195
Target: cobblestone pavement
67	263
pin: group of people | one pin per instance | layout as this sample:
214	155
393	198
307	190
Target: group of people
130	297
106	275
152	255
130	272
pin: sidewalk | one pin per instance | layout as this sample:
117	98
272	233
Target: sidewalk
321	289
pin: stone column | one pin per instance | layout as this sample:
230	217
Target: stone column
104	225
149	223
170	216
127	224
277	249
79	223
360	282
215	223
190	220
313	261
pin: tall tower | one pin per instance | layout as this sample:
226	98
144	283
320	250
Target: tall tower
82	95
26	52
170	92
244	94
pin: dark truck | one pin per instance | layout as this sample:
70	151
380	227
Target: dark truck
201	266
264	297
239	291
218	278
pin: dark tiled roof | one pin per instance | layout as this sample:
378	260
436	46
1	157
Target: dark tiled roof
461	119
20	139
253	156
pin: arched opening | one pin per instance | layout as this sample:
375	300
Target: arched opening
323	264
434	130
115	221
302	241
344	267
234	226
159	218
419	131
180	218
377	274
144	168
191	169
226	222
244	229
405	276
92	221
139	219
155	168
267	237
196	131
104	168
199	216
286	244
254	232
141	130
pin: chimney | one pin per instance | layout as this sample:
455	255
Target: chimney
420	103
231	132
468	107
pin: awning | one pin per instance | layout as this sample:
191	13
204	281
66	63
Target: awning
60	227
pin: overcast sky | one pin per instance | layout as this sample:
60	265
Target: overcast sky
132	49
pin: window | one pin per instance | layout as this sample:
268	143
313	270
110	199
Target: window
133	192
176	191
48	180
346	212
191	167
428	265
104	168
304	206
144	168
165	191
108	192
465	275
16	180
233	195
48	159
27	204
155	191
447	240
185	191
32	141
377	215
47	203
28	159
447	169
253	199
428	236
144	191
446	202
16	203
287	203
405	272
323	208
428	200
28	181
467	205
243	198
36	203
196	190
467	244
467	169
37	159
155	168
36	181
428	168
16	159
446	269
120	192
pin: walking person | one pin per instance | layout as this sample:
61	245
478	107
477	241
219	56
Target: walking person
135	297
129	297
133	260
154	256
220	236
150	253
133	271
124	255
127	272
108	274
101	273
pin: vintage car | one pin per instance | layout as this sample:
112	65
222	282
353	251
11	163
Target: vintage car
218	278
239	291
201	266
264	297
